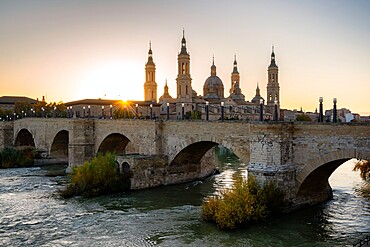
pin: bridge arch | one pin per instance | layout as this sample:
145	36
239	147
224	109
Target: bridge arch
313	180
59	146
24	138
193	153
115	143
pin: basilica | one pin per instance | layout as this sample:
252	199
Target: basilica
188	104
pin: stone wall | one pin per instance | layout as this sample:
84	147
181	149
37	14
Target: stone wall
6	134
153	170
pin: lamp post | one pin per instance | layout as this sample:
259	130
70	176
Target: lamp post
67	111
335	110
137	110
102	112
168	111
22	114
55	112
276	111
71	110
182	111
151	111
222	111
15	116
88	112
261	110
32	112
111	111
42	112
83	112
207	110
321	116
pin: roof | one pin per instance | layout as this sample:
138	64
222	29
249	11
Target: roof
10	100
92	102
109	102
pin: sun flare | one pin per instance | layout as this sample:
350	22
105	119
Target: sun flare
114	80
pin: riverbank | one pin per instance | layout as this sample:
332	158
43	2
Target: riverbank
32	215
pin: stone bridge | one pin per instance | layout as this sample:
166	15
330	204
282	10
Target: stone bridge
300	157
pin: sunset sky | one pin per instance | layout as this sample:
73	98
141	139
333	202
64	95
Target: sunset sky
71	50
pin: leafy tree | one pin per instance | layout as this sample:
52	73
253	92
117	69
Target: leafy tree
193	115
303	117
364	167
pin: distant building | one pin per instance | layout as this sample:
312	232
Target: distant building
235	106
105	108
7	103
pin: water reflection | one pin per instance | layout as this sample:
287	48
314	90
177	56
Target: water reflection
168	216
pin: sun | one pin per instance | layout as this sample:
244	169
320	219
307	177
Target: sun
112	80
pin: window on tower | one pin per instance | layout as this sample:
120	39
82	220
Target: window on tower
270	97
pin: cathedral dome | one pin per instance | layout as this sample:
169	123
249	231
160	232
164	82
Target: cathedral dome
213	87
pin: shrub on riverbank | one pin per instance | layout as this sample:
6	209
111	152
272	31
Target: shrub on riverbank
245	203
97	177
10	157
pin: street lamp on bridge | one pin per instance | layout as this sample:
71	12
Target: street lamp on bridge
222	111
321	115
261	110
335	110
207	110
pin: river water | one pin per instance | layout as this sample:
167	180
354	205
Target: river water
31	214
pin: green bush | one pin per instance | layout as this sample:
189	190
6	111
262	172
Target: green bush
96	178
245	203
10	157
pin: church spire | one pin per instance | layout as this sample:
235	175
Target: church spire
235	69
273	62
150	54
183	43
258	90
213	67
166	88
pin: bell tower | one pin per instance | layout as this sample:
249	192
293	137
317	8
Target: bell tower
183	80
150	86
273	88
235	77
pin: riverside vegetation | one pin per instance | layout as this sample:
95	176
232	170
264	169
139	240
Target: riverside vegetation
244	204
97	177
11	157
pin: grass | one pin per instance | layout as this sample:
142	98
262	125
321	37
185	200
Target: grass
97	177
244	204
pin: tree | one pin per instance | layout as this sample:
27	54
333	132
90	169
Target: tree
364	167
303	117
193	115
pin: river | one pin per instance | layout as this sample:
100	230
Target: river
31	214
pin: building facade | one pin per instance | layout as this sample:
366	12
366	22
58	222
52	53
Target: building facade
234	106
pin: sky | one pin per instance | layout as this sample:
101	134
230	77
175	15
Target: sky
71	50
